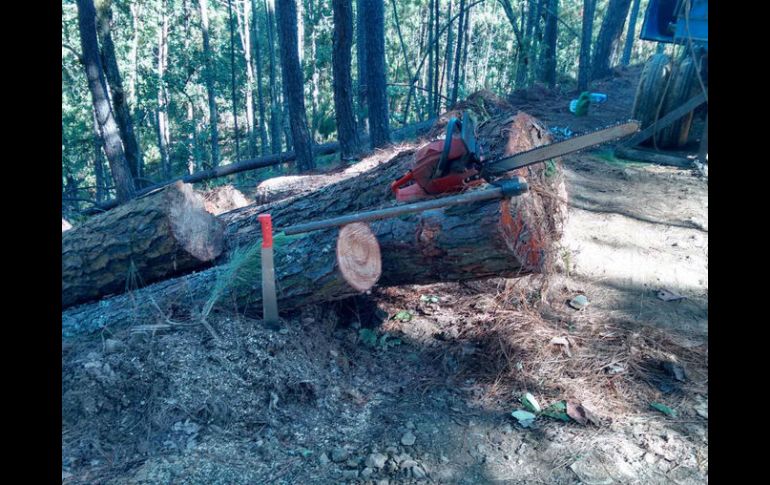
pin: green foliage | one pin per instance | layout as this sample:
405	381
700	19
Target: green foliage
403	316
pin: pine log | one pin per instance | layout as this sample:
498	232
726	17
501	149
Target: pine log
316	267
498	136
505	238
142	241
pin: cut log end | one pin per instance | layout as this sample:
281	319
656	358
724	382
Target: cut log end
199	232
358	256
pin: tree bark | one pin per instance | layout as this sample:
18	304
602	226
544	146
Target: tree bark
232	80
115	82
548	71
257	65
376	74
162	110
361	27
342	43
275	109
97	85
209	75
458	55
584	67
101	184
631	33
609	36
148	239
316	267
294	83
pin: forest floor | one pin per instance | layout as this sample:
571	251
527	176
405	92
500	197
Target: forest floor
430	400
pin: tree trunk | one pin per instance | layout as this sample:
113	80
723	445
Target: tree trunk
148	239
162	111
232	80
609	36
115	82
631	33
430	57
363	104
101	184
209	75
458	56
446	73
348	264
436	57
342	42
377	94
509	237
584	67
243	16
548	74
275	109
257	64
108	128
294	83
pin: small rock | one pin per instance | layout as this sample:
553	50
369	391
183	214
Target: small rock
112	345
408	439
376	460
418	473
324	459
384	481
579	302
349	474
444	459
339	455
366	472
409	425
402	457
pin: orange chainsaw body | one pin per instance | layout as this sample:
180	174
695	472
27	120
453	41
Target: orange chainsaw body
425	178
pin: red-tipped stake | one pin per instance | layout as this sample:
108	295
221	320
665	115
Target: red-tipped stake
269	301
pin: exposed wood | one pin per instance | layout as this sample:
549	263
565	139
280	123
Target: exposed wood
65	226
144	240
358	256
223	199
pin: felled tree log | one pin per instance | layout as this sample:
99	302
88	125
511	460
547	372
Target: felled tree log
502	135
224	199
315	267
142	241
508	237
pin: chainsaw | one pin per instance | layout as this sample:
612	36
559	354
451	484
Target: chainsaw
456	163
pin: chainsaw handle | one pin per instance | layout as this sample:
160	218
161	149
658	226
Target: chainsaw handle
401	182
442	166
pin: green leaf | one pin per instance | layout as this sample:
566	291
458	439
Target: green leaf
403	316
557	410
663	409
530	403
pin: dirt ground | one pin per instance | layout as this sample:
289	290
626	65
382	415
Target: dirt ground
417	384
